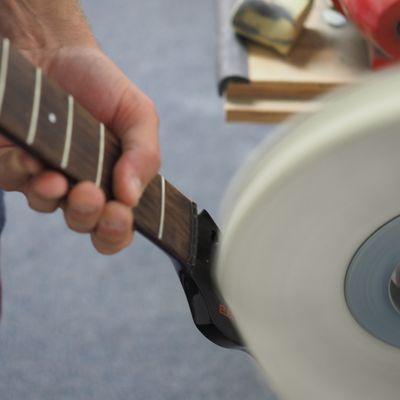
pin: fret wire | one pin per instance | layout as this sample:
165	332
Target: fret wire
101	155
162	214
5	55
36	107
68	133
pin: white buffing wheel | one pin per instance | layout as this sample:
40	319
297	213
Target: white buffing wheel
293	220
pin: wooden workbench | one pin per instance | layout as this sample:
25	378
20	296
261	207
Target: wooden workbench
268	87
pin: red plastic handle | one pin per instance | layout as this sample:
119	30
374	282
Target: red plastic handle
338	6
378	20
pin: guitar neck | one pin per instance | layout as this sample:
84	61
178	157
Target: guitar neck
38	115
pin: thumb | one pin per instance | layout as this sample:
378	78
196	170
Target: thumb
16	168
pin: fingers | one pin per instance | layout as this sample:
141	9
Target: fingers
109	95
17	168
49	185
140	160
115	229
103	89
110	224
39	204
45	191
84	207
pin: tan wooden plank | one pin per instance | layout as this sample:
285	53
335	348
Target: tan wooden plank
324	57
267	111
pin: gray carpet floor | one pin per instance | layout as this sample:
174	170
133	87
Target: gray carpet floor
77	325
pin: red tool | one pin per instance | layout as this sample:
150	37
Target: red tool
379	22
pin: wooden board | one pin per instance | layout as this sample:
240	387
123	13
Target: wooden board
266	111
325	57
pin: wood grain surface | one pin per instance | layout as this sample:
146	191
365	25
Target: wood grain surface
324	58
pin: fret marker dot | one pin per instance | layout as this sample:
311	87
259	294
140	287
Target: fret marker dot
52	118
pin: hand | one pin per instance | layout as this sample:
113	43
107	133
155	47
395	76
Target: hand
103	90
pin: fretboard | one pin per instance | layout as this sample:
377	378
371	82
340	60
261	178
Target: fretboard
41	117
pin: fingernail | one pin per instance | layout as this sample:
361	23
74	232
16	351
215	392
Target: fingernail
113	225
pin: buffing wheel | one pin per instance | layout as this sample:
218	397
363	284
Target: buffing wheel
311	236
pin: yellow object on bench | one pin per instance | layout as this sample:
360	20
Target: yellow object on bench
274	23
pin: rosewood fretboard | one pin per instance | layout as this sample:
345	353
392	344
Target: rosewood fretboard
38	115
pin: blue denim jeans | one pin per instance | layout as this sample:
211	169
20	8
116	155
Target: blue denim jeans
2	212
2	219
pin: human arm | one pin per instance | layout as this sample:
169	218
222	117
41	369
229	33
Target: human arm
55	36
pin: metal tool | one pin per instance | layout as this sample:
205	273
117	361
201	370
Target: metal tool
276	24
309	260
378	21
